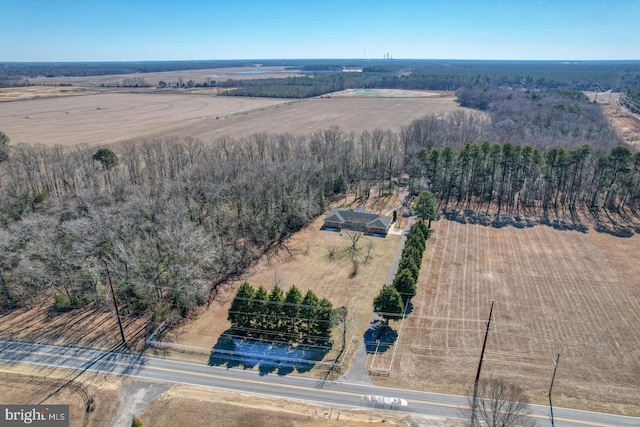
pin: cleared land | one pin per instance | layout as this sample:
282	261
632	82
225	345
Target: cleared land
557	292
200	407
305	264
625	123
566	292
82	328
112	118
198	76
27	385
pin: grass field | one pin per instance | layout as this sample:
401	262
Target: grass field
556	292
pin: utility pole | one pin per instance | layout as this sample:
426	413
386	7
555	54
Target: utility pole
115	303
555	369
475	384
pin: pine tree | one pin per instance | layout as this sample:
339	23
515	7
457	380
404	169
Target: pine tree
325	316
405	284
240	312
407	263
276	298
426	207
261	308
388	304
308	312
291	310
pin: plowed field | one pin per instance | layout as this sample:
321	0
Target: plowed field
112	118
556	292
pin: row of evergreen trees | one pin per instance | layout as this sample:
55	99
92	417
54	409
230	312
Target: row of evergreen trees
292	315
391	300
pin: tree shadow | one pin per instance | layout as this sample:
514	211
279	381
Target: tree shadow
235	350
469	216
408	310
605	223
379	337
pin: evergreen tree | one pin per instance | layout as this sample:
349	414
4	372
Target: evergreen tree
388	304
405	284
106	157
308	312
339	185
416	240
291	310
261	308
240	312
426	206
276	298
325	316
422	228
414	253
408	264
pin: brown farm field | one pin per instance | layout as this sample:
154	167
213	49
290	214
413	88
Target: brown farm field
198	76
556	292
113	118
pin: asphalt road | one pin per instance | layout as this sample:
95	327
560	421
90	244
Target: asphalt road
333	394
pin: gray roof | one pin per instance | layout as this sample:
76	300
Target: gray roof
360	217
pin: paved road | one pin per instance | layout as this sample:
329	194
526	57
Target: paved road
329	393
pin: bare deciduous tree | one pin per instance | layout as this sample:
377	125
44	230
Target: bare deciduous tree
500	404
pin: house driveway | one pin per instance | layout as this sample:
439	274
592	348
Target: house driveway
357	373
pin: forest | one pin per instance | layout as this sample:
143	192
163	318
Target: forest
174	218
449	76
322	76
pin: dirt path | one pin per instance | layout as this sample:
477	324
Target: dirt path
136	395
625	123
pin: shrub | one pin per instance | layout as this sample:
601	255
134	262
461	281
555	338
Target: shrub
62	303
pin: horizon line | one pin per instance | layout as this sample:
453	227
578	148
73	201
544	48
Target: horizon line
313	59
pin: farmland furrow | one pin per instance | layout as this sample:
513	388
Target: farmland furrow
552	263
448	302
532	294
465	264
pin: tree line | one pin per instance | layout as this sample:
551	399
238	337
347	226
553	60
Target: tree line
391	301
255	312
516	180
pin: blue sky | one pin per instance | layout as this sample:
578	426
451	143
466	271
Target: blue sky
130	30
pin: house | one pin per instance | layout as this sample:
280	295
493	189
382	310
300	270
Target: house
402	180
359	219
